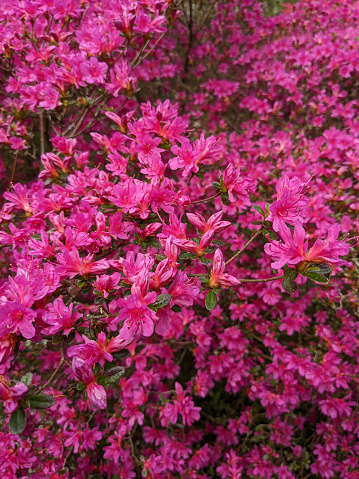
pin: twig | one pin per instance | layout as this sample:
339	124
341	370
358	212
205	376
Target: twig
205	18
137	461
149	51
265	280
205	200
62	360
140	52
208	416
42	133
13	171
245	246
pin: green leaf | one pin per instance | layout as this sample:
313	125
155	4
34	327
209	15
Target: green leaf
272	235
57	339
211	300
26	379
260	210
187	256
289	285
319	278
161	301
290	273
176	308
216	185
112	376
80	386
218	242
161	257
121	354
205	261
69	338
41	401
225	199
153	243
319	268
257	223
17	421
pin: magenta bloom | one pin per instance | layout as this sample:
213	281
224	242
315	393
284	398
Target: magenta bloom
61	317
213	224
71	264
184	290
192	247
16	318
95	392
12	395
137	316
218	276
290	202
234	184
293	250
7	344
19	198
98	351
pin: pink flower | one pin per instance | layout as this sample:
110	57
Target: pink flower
290	202
293	250
19	198
218	276
186	158
16	318
182	405
162	275
214	223
95	71
233	183
192	247
7	345
71	264
137	316
105	283
11	395
95	392
98	351
61	317
184	290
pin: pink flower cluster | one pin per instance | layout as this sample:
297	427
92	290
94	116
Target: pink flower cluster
179	284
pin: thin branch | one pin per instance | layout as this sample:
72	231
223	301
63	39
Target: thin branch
144	46
42	133
13	171
264	280
62	360
206	200
205	18
140	60
245	246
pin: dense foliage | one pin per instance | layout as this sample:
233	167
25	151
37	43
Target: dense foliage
179	296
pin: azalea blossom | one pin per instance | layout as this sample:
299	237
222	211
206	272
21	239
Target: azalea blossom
294	249
218	276
98	351
95	392
291	201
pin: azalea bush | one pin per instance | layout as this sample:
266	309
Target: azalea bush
179	279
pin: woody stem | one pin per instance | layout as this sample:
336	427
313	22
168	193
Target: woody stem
264	280
245	246
205	200
50	378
